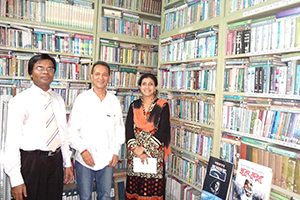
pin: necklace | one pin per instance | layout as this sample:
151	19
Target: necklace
147	114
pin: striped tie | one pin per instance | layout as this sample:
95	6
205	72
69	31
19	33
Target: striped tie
53	139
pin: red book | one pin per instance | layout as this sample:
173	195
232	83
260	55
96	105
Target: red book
243	153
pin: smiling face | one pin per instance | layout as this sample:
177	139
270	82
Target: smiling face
148	87
100	77
41	75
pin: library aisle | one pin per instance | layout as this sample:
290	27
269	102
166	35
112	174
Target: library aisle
229	68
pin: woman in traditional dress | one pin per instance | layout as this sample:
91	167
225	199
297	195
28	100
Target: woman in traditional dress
147	136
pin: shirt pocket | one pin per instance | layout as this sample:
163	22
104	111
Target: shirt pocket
110	120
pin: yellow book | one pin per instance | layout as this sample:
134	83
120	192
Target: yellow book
12	71
124	56
255	155
297	178
297	39
285	166
129	56
291	175
278	170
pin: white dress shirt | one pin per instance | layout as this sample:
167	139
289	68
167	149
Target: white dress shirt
26	129
97	126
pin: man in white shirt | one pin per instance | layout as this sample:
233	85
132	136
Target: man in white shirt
97	132
34	162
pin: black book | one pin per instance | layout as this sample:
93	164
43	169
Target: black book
247	38
190	36
239	42
261	80
256	79
217	180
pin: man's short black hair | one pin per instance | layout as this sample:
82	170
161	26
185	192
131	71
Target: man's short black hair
39	57
100	63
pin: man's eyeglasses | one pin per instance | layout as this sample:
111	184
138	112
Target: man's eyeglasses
48	69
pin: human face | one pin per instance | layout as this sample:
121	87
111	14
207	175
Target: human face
248	189
42	74
148	87
100	77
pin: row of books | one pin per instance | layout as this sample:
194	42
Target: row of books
126	98
122	163
193	140
277	122
7	90
48	40
266	77
274	33
189	46
71	71
123	77
4	180
190	13
74	89
66	68
284	162
68	91
13	87
193	108
72	194
128	53
188	77
148	6
131	27
235	5
80	14
187	168
230	148
177	190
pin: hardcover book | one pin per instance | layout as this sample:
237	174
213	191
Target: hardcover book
217	180
253	182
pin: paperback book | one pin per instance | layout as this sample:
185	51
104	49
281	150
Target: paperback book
217	180
253	182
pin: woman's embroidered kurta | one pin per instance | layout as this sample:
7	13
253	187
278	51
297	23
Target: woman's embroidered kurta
150	130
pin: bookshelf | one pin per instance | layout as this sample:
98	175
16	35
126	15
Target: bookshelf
198	92
233	16
33	27
225	15
45	23
64	30
127	39
256	96
130	55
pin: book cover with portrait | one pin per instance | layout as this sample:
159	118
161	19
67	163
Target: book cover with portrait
217	180
253	182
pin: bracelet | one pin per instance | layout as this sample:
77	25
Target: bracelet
83	151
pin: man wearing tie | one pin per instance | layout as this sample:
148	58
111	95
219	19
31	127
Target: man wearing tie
36	149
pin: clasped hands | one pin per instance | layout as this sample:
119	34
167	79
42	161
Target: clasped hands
141	153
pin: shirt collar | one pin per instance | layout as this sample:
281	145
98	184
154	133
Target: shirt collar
38	90
94	93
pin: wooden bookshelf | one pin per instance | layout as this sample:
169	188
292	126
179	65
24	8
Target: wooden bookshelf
222	22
